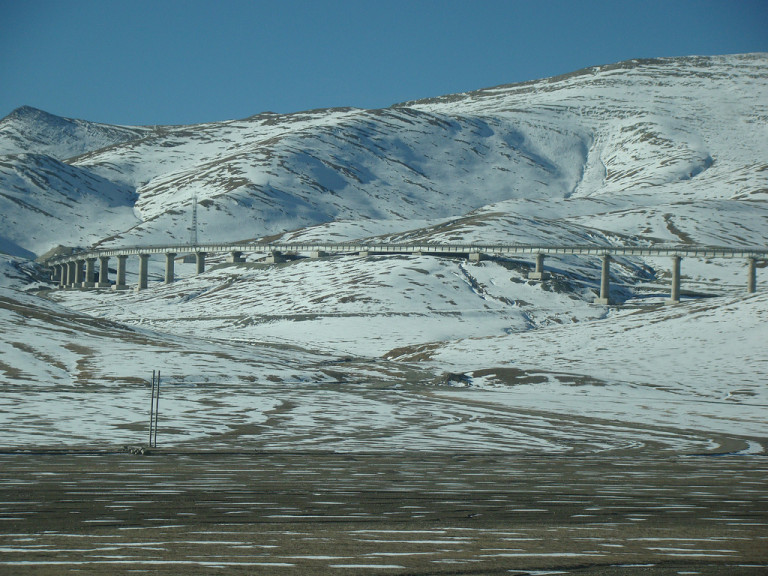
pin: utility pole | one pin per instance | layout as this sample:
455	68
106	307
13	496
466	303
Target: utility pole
193	232
157	405
154	407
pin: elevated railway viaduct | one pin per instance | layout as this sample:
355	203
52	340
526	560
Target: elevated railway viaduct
78	270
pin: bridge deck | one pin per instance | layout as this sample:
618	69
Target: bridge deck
441	249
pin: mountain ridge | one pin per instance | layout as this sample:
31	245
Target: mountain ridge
688	128
28	129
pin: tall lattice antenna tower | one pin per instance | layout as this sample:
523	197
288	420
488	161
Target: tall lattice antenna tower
193	231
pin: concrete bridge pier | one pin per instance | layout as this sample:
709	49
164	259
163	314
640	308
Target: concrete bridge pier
70	274
169	267
235	257
275	258
751	275
62	275
674	293
475	256
318	254
143	272
78	274
200	262
56	272
605	282
103	272
120	281
89	275
539	273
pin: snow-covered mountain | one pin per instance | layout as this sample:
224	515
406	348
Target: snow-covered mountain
646	135
646	151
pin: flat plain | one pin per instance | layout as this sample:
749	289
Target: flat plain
193	512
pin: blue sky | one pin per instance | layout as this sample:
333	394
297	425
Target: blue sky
181	62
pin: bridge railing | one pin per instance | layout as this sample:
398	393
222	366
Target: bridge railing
389	248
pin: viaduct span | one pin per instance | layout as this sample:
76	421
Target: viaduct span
77	270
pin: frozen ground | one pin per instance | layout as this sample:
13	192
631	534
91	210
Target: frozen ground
394	514
387	354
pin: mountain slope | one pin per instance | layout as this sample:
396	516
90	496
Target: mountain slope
682	129
655	121
45	202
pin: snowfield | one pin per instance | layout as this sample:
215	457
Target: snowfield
369	354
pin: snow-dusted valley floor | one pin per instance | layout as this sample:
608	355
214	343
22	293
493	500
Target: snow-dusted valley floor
392	353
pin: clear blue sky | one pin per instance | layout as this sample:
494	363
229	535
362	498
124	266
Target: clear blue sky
185	61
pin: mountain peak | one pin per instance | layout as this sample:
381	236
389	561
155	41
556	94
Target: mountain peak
29	129
29	116
24	112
